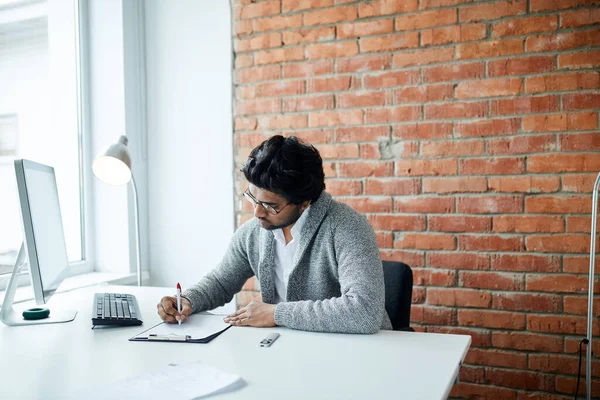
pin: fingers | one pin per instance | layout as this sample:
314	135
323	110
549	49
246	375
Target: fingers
164	316
186	307
242	316
254	314
239	318
242	320
235	316
238	312
169	304
186	310
166	309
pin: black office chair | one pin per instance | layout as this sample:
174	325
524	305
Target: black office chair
398	279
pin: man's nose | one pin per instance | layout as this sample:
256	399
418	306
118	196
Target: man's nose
259	211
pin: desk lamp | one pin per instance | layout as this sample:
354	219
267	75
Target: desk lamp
113	166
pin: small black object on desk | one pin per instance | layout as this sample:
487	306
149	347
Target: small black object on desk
36	313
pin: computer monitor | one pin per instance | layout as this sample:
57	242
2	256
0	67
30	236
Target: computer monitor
44	249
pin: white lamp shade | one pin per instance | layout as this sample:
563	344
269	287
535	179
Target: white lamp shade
113	164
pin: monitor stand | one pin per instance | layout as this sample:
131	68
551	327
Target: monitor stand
10	317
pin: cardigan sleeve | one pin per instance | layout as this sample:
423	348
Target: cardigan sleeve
220	285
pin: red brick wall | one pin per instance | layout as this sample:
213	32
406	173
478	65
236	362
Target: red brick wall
467	132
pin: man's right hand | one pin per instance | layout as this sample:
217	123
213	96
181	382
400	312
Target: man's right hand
167	309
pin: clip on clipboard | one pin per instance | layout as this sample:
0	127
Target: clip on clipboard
199	328
169	338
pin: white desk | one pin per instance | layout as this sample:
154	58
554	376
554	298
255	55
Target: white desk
52	361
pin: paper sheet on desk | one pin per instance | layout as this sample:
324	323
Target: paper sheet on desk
189	381
197	326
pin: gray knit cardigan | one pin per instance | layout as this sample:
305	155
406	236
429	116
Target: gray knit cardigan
336	284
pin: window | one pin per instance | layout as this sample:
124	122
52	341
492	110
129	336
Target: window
8	135
39	115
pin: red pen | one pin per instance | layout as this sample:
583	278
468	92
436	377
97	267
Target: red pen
179	302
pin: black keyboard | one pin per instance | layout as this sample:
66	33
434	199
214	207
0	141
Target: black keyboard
116	309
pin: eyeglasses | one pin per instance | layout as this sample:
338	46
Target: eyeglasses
267	207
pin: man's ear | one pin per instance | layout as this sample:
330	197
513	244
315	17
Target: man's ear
305	205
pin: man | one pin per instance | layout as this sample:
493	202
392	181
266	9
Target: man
317	260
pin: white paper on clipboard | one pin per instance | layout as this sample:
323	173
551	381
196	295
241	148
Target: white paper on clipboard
196	326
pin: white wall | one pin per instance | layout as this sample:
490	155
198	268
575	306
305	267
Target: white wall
190	166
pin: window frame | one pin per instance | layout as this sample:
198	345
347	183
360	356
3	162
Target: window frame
86	264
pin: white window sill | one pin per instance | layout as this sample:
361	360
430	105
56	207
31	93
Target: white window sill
25	293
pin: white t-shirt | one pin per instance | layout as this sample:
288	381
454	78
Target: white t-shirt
284	256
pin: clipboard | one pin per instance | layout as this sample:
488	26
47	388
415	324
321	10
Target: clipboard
199	328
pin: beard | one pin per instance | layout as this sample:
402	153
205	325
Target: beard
289	221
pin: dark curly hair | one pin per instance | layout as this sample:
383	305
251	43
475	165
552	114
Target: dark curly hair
287	167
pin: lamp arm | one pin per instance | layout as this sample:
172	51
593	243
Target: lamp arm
588	357
138	257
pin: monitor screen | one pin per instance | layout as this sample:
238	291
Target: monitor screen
43	228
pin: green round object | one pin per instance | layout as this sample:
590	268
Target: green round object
36	313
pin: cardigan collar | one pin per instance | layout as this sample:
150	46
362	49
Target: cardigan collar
316	213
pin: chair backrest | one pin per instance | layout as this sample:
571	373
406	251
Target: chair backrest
398	279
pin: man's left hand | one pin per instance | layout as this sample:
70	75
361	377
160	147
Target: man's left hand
255	314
